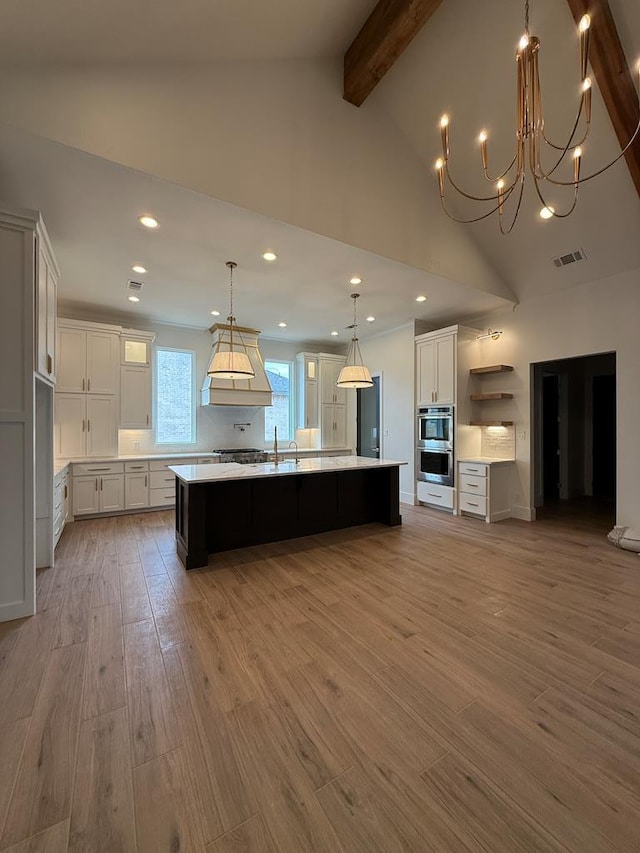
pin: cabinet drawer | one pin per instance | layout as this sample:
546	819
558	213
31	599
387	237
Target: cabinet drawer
162	497
81	468
472	503
476	469
162	480
136	467
163	464
473	485
431	493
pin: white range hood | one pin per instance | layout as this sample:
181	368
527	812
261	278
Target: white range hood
238	392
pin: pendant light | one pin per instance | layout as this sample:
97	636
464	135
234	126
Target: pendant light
227	361
354	374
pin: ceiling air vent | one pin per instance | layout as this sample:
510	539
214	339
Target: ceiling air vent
134	286
571	258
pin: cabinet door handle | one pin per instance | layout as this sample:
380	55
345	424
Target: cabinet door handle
83	384
83	425
145	480
49	363
96	484
100	483
89	384
93	470
147	420
88	425
65	492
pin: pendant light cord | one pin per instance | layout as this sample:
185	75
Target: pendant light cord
231	265
526	17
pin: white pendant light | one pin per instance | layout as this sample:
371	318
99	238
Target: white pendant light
229	361
354	374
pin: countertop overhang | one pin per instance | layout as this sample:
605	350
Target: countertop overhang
214	473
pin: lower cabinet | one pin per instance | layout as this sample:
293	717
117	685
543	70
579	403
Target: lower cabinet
484	489
98	487
435	494
136	491
61	503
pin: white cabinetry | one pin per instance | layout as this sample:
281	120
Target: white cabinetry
98	488
86	425
333	403
136	490
27	322
46	302
436	367
88	359
87	391
484	488
135	379
308	371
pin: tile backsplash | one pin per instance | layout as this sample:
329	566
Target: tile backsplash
498	442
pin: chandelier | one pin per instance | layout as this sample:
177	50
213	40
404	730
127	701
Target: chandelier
531	140
354	374
230	359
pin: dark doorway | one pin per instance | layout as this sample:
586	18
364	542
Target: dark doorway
550	437
604	437
368	414
574	441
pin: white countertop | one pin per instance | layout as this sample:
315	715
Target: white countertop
234	471
485	460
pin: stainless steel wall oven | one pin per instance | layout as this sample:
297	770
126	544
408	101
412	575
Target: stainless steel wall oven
434	451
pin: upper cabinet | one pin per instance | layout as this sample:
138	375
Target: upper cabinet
88	358
436	368
308	372
46	305
135	347
135	379
330	367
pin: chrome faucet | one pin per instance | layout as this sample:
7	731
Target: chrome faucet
296	446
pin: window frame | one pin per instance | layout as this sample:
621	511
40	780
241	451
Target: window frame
292	398
194	400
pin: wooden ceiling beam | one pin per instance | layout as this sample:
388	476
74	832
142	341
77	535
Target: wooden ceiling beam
612	74
385	34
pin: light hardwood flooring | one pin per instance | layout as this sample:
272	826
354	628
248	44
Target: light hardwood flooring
446	686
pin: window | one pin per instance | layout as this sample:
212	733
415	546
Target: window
280	414
175	396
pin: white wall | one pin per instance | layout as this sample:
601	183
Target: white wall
603	316
392	354
273	137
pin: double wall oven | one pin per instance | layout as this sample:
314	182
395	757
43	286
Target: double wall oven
434	453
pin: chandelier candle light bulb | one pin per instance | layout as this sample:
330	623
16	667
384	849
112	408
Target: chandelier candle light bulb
532	140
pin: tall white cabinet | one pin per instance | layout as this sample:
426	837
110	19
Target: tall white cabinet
28	282
333	402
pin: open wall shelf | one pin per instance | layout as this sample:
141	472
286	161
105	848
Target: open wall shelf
492	423
493	368
494	395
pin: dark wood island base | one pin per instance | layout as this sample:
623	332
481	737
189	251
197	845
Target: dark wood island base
226	514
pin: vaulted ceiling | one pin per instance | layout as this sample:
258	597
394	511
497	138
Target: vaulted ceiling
242	102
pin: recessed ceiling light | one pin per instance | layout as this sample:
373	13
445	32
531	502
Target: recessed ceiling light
370	319
138	268
282	325
355	280
547	212
148	221
269	256
133	298
334	333
421	298
216	313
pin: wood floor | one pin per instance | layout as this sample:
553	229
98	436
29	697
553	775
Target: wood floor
447	686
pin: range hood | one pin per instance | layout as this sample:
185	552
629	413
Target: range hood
238	392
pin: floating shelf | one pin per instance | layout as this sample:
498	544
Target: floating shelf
493	368
491	423
494	395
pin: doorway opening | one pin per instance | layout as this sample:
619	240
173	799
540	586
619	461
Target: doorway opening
368	420
574	441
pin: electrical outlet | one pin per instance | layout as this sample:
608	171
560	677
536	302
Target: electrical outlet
136	445
522	434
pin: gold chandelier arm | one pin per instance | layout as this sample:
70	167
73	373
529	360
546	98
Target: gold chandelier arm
604	168
474	197
549	207
517	211
506	195
506	171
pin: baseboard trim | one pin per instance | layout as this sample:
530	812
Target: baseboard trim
524	513
407	498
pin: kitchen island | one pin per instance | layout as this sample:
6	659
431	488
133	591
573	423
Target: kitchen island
221	507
